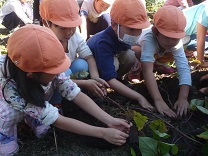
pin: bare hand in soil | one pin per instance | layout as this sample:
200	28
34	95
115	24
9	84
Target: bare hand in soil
163	109
145	104
115	136
181	107
120	124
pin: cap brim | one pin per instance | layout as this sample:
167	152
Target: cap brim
140	26
62	68
178	35
69	23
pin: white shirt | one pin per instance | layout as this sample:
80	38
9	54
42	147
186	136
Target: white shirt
77	45
23	11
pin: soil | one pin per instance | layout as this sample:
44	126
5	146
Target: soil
61	143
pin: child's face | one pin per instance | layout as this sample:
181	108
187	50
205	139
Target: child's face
100	6
167	42
63	33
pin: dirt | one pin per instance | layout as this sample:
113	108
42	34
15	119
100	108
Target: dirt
66	143
62	143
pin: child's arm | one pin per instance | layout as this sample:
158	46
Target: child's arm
162	107
111	135
128	92
201	33
88	105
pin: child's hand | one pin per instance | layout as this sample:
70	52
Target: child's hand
145	104
181	106
163	109
96	87
119	124
114	136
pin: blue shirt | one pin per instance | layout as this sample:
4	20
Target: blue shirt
104	46
194	14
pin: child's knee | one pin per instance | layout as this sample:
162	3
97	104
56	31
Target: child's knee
79	65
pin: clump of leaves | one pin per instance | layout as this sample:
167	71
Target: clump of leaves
153	5
200	105
153	146
80	75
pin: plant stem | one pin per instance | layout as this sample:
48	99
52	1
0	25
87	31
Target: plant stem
167	124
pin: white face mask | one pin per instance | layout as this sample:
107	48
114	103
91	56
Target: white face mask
128	39
47	23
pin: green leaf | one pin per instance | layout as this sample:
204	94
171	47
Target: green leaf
165	148
196	102
174	149
83	74
157	135
74	76
79	75
206	102
167	154
133	152
204	149
203	135
140	120
158	125
202	109
148	146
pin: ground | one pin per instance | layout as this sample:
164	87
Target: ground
61	143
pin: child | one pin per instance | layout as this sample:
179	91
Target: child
64	24
15	12
197	23
164	37
111	47
182	4
95	16
27	85
36	12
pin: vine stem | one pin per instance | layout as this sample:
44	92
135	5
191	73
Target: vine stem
149	112
167	124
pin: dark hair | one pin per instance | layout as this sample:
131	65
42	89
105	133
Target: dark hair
27	88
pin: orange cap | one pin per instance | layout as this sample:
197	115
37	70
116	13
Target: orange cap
63	13
130	13
33	48
170	21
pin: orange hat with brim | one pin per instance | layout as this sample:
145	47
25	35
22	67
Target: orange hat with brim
170	21
63	13
129	13
34	48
